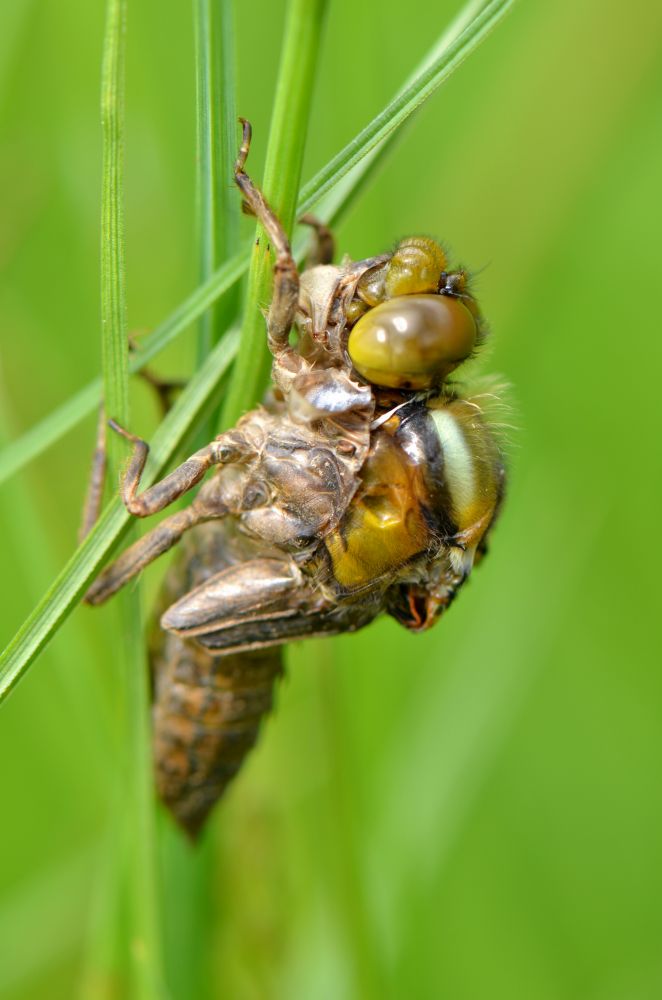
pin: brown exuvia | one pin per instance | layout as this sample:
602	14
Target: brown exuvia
365	484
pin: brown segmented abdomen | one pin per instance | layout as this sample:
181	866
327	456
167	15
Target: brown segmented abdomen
207	714
207	709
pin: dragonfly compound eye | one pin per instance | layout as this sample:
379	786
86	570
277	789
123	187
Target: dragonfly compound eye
412	341
415	267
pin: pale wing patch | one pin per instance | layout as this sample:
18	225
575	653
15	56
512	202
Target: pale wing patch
459	466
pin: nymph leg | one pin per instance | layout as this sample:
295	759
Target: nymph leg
226	448
164	390
94	495
286	277
147	549
222	450
323	246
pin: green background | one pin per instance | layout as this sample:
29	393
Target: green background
471	814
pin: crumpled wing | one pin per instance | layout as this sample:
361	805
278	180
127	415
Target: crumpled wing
235	602
261	603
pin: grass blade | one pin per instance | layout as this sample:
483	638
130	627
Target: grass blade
282	174
188	873
136	813
114	340
206	149
345	189
86	561
218	208
139	959
469	28
442	60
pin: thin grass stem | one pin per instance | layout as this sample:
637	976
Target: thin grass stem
141	945
188	871
218	207
282	174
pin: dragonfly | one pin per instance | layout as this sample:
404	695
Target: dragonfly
366	484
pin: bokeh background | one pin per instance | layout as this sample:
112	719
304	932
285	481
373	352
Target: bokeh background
471	814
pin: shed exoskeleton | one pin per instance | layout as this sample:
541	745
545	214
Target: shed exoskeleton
365	484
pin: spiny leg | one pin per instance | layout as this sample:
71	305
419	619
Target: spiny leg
164	390
226	448
285	294
322	249
146	550
222	450
94	494
323	246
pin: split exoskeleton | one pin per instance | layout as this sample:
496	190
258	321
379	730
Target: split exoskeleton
364	485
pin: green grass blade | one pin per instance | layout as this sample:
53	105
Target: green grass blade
86	561
282	174
114	340
190	899
224	104
346	189
144	939
442	60
447	53
139	959
205	122
218	207
188	872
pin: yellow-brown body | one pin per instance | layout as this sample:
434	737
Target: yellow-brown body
367	485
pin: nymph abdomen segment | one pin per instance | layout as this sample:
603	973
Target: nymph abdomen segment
207	715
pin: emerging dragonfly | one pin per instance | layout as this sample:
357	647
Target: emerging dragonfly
366	484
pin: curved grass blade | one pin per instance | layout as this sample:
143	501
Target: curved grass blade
444	57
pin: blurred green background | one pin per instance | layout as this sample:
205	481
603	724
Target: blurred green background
471	814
